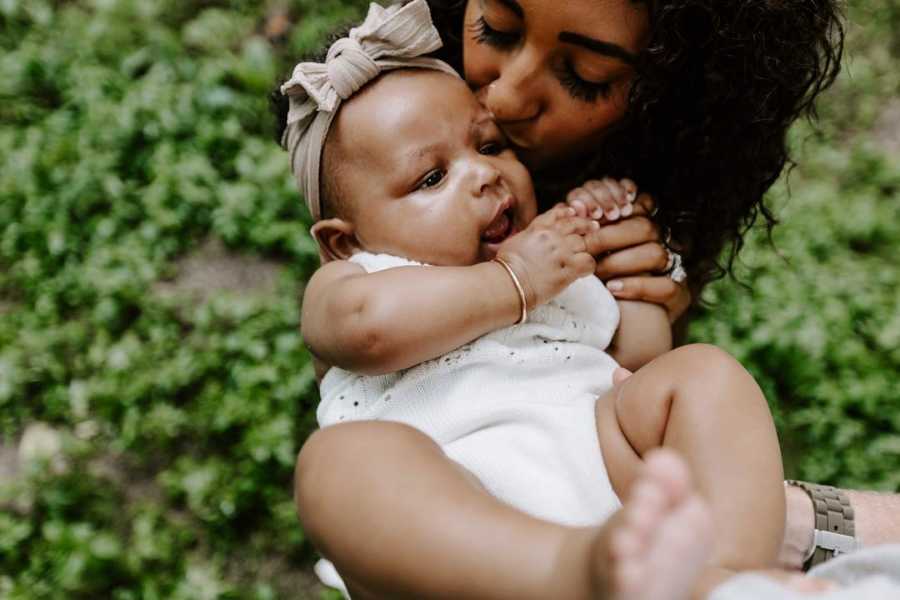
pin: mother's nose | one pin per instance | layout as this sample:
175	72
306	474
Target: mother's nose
515	94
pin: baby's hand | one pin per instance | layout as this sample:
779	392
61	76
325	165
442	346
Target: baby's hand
551	253
603	199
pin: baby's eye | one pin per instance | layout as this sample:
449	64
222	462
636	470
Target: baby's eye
432	179
492	148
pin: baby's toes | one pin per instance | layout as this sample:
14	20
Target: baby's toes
669	471
689	529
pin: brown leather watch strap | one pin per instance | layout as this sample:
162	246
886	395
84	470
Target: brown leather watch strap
835	529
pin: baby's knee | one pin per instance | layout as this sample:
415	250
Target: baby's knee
709	365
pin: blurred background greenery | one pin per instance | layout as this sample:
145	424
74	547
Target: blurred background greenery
153	386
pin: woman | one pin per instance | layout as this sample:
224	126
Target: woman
691	99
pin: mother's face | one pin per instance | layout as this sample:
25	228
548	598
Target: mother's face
555	73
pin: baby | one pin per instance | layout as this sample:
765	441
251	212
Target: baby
445	302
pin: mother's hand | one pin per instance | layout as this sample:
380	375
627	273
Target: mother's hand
632	257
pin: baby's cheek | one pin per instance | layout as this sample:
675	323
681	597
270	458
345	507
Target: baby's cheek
526	198
454	245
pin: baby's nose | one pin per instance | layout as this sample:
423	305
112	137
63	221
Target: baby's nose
485	177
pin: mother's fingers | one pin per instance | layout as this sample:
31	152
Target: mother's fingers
622	234
674	297
644	205
648	257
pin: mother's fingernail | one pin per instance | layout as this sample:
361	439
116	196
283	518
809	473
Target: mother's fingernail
631	195
627	210
615	286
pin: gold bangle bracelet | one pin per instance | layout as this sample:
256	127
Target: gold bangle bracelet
523	317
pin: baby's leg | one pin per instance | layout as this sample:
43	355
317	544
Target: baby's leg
400	520
701	402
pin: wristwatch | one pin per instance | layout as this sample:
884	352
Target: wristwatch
834	528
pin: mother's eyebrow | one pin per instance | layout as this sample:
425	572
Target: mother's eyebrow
513	6
599	46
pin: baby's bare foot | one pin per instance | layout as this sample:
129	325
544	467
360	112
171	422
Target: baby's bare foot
660	540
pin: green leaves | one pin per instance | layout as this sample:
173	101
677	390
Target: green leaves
134	136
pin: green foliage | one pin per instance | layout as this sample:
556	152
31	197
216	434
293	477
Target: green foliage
132	132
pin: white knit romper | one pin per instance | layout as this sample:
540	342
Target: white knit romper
515	407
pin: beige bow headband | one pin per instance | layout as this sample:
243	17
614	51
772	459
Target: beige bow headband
389	38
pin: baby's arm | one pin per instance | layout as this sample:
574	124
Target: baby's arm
374	323
644	333
382	322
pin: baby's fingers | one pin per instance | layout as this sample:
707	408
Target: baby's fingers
559	212
577	225
583	263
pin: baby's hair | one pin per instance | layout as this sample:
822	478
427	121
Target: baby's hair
332	195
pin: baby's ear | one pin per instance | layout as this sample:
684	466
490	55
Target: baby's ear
336	239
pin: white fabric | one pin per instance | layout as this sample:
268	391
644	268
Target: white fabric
514	407
867	574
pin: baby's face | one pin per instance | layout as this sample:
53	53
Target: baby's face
427	173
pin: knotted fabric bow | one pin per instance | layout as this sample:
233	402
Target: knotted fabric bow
390	38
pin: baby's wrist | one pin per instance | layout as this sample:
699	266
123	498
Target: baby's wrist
521	293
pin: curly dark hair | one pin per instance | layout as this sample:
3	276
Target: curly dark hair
717	87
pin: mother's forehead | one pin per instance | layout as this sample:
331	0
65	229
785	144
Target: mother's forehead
621	22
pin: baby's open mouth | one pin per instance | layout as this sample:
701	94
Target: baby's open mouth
500	228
